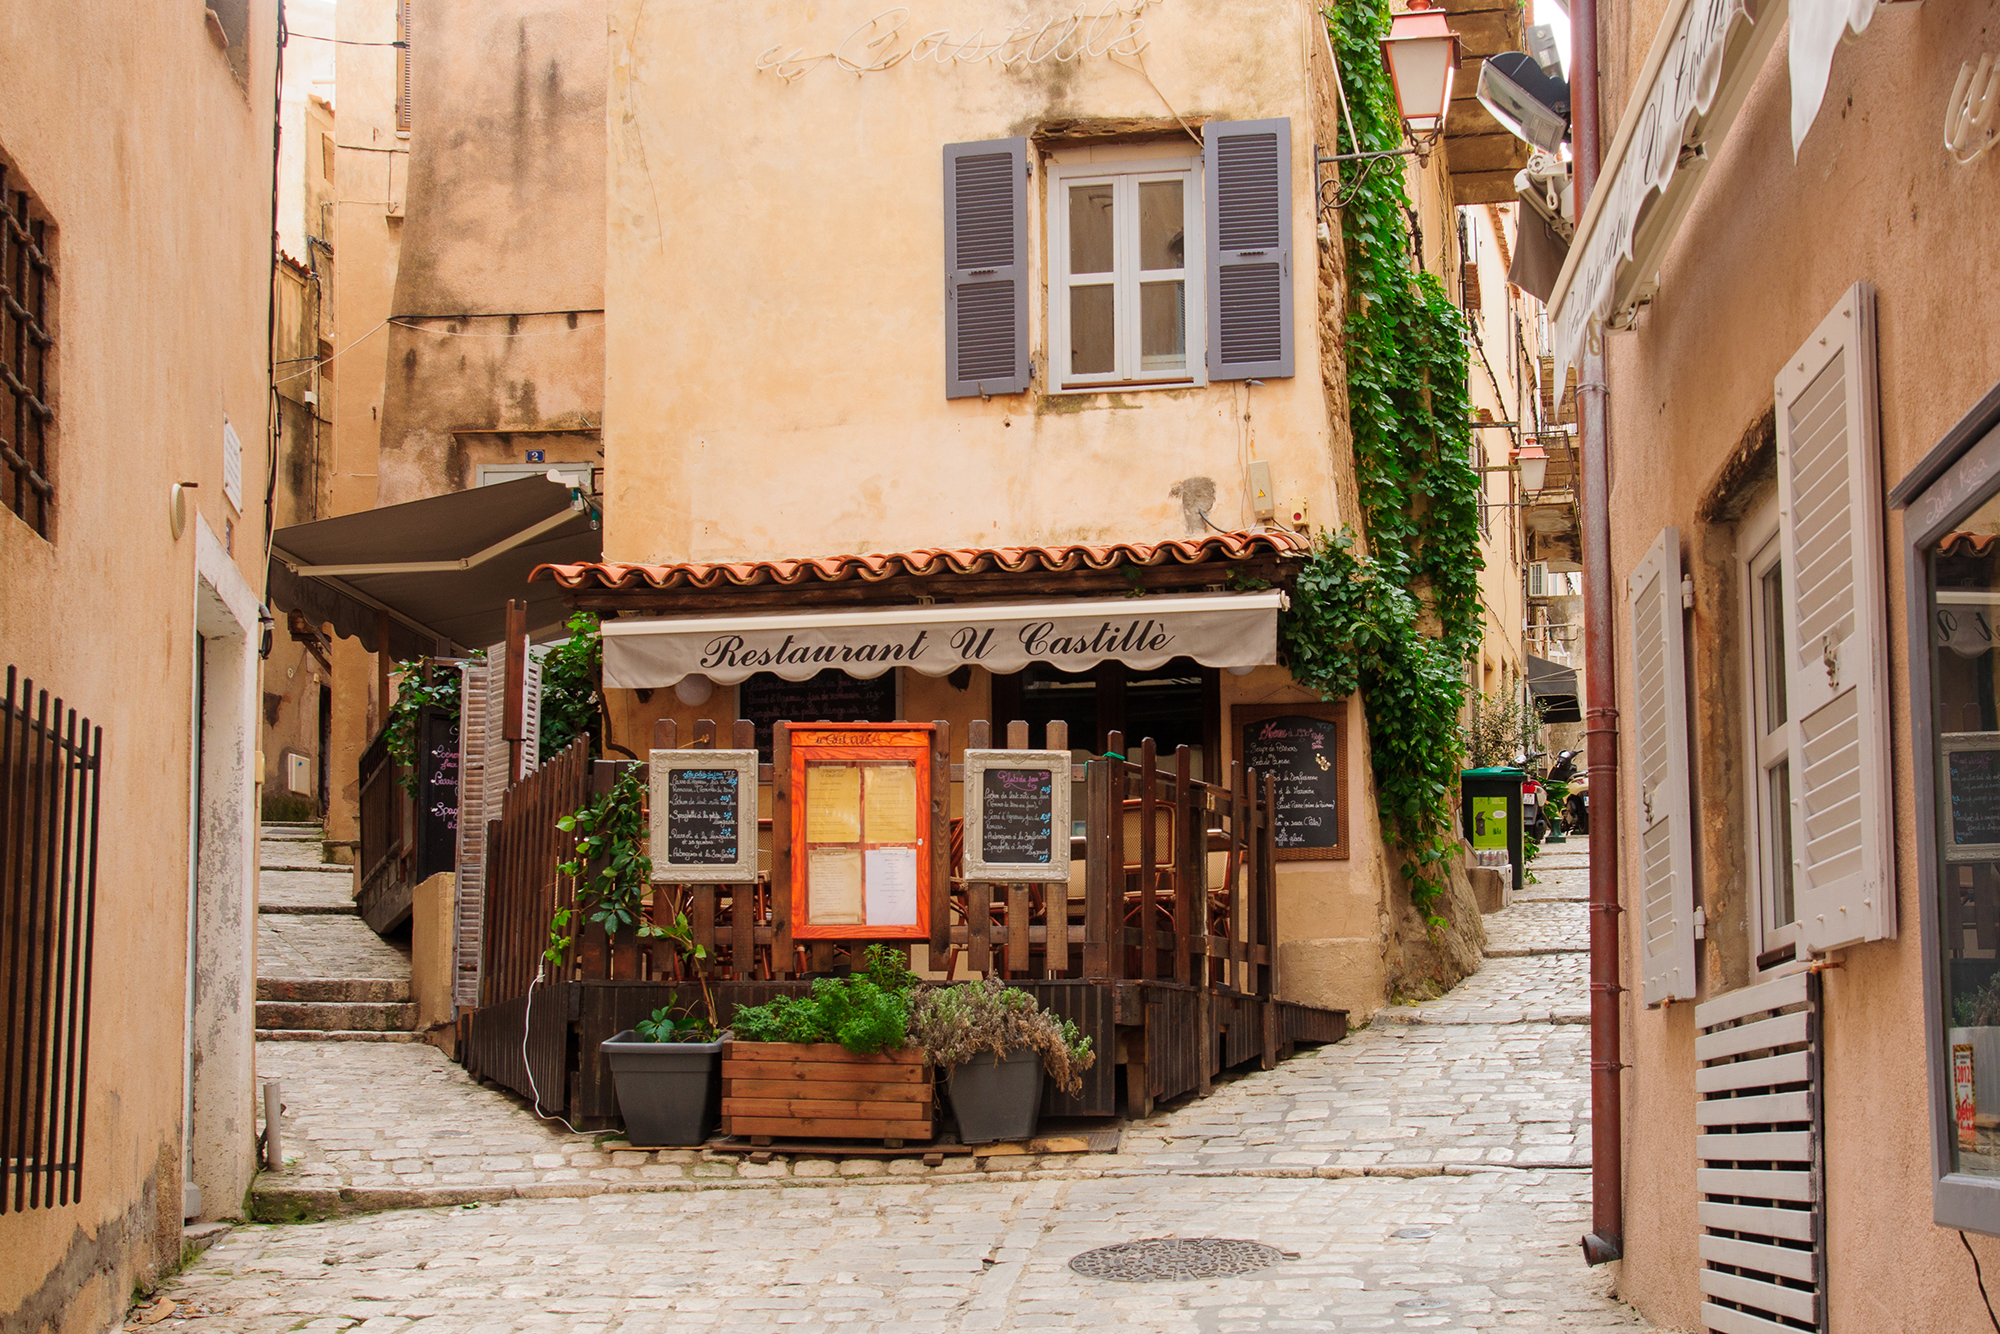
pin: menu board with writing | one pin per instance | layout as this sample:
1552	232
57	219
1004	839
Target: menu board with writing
831	697
860	830
437	791
1304	748
704	816
1971	763
1017	818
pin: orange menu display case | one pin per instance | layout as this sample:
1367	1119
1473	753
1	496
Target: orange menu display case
861	831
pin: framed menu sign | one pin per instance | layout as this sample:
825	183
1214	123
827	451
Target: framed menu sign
704	821
1017	815
1304	746
1971	795
861	831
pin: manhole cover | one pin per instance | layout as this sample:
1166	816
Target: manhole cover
1422	1304
1414	1233
1174	1259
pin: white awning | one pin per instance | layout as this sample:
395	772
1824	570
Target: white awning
1215	629
1703	60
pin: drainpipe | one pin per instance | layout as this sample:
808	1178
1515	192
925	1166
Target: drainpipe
1606	1239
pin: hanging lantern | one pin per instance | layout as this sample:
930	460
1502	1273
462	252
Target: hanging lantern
1533	461
1421	52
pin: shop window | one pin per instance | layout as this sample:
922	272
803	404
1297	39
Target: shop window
1123	244
1769	802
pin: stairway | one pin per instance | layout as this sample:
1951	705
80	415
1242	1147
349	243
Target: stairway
322	975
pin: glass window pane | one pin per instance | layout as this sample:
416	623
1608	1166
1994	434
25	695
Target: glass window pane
1090	228
1163	326
1162	226
1774	648
1778	779
1092	330
1965	582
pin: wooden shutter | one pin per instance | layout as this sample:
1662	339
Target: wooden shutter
1836	634
1247	169
471	876
1660	759
986	268
403	64
531	710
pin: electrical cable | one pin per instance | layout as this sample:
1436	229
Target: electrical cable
274	404
527	1011
336	356
1981	1278
342	41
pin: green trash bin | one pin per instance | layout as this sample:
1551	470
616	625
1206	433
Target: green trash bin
1491	812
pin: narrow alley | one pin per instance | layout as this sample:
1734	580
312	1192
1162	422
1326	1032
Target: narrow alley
1430	1172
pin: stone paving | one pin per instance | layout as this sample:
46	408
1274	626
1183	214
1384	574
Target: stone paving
307	924
1466	1116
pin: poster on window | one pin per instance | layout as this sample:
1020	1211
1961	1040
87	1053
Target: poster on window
861	836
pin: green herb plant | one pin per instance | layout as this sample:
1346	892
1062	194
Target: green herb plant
674	1022
1396	614
954	1024
865	1013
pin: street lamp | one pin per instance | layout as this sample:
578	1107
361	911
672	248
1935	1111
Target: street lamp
1533	461
1421	52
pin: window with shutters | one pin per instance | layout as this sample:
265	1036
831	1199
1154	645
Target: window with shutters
1124	266
1660	760
1769	802
403	65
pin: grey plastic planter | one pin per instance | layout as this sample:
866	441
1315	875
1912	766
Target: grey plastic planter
997	1100
670	1093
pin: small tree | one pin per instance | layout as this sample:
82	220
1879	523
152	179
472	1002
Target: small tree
1502	726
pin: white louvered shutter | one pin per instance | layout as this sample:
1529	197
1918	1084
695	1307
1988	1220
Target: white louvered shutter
1830	504
499	764
471	875
531	711
986	268
1247	171
1660	762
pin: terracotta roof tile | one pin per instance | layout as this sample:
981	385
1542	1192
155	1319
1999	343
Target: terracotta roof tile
931	561
1966	544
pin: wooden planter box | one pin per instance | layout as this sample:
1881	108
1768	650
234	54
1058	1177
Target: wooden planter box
824	1091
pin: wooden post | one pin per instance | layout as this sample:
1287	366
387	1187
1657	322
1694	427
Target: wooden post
781	850
1190	839
743	896
1114	896
385	662
1097	868
1267	933
515	701
940	906
1055	898
1149	853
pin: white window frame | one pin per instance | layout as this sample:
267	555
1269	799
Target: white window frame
1758	550
1127	174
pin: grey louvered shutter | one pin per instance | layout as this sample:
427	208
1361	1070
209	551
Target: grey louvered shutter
471	877
986	268
1247	165
531	709
1660	758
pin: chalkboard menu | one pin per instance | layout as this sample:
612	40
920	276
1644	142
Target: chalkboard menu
1972	794
704	816
830	697
1017	819
437	792
1304	747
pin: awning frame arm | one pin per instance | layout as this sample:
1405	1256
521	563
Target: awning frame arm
501	547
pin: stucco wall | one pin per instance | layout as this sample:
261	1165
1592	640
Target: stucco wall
161	193
1768	248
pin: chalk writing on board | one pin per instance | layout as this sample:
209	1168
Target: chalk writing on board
831	697
1975	796
703	817
1017	815
1299	753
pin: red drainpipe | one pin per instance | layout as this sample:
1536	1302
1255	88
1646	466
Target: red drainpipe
1606	1239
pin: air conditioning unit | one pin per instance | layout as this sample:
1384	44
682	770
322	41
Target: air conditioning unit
298	774
1538	579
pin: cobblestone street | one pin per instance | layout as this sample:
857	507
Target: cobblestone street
1430	1172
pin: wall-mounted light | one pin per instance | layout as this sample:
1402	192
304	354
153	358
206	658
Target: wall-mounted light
1421	52
1528	101
1533	461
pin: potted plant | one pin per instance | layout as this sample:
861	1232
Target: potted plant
834	1063
997	1044
665	1070
1977	1015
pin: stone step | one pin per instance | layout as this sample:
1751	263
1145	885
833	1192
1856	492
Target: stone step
337	1016
334	1035
311	909
337	990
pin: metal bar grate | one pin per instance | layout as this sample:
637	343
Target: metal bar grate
50	762
26	349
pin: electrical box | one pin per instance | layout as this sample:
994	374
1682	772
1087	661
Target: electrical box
1263	503
298	774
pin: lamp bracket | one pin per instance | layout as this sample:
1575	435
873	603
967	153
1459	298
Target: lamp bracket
1344	193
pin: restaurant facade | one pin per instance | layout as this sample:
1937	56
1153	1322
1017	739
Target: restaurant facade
1779	264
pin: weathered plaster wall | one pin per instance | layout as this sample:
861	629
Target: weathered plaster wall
158	203
1769	247
499	290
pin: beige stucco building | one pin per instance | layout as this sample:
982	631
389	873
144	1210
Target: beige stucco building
136	603
1801	517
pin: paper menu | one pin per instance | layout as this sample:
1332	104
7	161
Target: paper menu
833	804
892	886
890	810
834	887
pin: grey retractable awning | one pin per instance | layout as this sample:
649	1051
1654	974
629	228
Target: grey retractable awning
1554	688
444	567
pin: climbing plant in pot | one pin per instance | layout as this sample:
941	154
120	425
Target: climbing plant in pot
666	1069
997	1045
